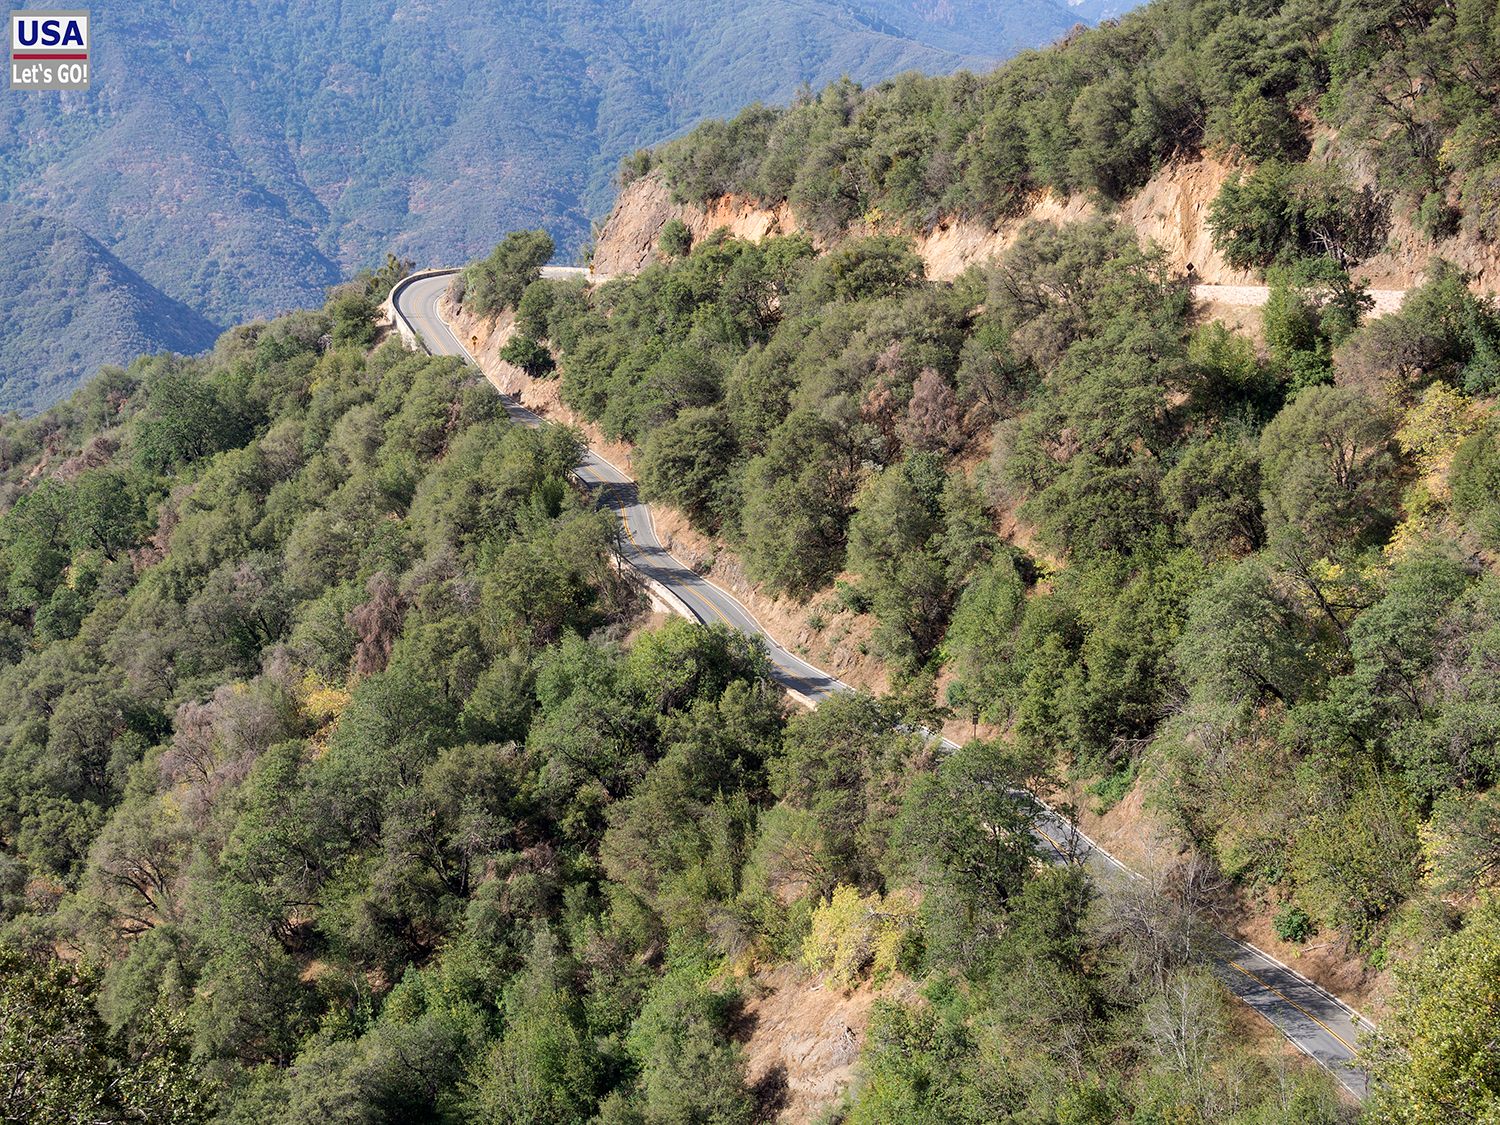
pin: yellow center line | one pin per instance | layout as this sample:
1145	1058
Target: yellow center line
1272	988
1044	834
625	523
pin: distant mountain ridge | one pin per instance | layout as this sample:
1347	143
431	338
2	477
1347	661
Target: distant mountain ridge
69	306
240	159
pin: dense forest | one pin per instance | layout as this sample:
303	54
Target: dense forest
1253	579
345	776
1262	584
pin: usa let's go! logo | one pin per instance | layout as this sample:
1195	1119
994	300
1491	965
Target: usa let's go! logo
49	50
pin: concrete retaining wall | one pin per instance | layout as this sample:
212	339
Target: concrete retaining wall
396	317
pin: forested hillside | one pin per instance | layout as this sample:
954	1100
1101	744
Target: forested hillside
1261	583
344	776
1253	580
1341	111
241	158
1259	587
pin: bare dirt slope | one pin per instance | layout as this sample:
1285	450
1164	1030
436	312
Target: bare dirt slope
1172	210
802	1039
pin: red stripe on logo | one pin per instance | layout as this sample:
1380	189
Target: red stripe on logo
43	55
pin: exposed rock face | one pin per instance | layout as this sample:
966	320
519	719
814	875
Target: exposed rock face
1171	211
951	247
628	240
1403	262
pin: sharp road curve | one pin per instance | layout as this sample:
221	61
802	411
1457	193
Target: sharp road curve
1312	1019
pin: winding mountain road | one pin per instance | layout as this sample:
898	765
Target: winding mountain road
1312	1019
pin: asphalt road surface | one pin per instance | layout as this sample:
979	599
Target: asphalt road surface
1312	1019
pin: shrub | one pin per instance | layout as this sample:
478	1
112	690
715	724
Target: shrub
530	356
853	933
499	281
676	240
851	597
1293	924
1475	480
633	167
1281	212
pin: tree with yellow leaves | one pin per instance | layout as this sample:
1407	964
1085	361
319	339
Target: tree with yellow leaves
1437	1058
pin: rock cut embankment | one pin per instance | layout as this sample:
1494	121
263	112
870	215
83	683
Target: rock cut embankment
1171	210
